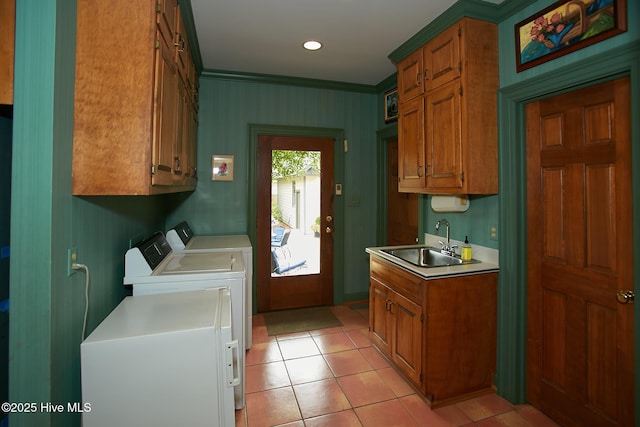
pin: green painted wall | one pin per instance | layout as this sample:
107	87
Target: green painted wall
47	307
228	107
475	222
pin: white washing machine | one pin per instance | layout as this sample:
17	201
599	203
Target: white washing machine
182	239
151	267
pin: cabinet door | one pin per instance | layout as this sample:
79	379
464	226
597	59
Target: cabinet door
410	82
181	46
379	319
166	19
406	349
443	139
442	58
189	142
411	146
165	116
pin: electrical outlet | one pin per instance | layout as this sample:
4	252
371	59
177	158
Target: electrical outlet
72	258
493	232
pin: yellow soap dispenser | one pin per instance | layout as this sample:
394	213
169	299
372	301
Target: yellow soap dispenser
466	250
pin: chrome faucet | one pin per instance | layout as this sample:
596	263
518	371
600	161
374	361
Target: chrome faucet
446	249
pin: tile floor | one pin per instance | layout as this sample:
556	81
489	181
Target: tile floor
334	377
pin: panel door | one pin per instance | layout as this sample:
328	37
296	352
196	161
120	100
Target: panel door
580	251
402	208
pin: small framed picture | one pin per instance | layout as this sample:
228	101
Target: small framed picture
391	105
222	168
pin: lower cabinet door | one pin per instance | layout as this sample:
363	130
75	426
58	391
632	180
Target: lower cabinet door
380	321
407	332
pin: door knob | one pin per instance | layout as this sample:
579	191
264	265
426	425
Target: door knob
626	297
328	230
329	218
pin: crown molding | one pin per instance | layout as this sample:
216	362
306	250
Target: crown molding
463	8
286	80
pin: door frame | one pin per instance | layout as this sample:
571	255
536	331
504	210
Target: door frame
512	290
255	130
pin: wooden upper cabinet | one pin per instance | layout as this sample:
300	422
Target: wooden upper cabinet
458	144
126	108
167	19
411	143
165	157
443	142
441	57
8	26
410	76
181	47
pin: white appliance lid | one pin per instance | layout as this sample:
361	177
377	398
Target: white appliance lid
238	242
208	262
165	313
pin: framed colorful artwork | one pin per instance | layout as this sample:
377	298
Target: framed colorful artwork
222	168
566	26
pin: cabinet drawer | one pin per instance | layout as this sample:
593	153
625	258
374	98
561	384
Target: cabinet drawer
407	284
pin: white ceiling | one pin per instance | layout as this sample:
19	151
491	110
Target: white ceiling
266	36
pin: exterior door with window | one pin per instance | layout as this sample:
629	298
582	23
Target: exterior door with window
294	266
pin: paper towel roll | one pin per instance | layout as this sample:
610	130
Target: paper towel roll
450	203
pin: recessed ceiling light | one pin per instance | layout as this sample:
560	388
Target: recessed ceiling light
312	45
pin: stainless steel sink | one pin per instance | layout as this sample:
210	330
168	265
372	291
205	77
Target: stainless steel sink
426	256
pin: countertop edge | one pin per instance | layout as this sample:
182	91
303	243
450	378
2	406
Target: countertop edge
481	267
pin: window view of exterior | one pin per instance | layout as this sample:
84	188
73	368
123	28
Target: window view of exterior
295	212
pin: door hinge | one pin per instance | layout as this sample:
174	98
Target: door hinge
421	314
460	90
421	377
158	7
346	145
462	177
459	32
153	169
460	66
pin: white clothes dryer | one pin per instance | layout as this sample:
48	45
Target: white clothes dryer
151	267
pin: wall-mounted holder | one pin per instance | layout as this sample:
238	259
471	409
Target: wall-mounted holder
450	203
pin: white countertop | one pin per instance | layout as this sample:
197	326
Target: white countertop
487	257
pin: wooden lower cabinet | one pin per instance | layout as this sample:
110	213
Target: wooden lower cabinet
439	333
